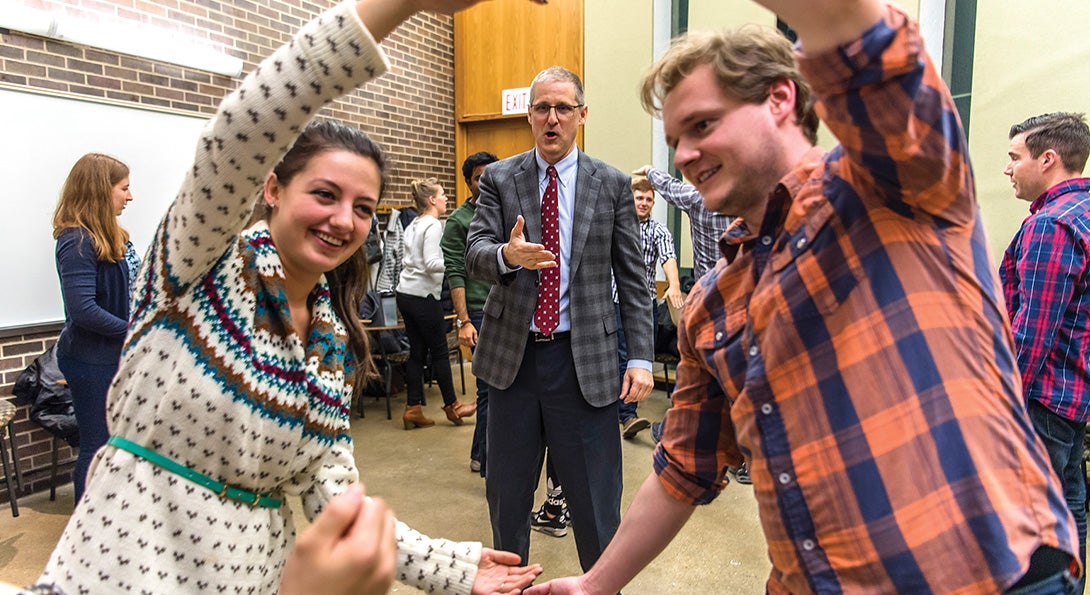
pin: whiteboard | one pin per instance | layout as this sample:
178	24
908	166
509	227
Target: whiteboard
41	137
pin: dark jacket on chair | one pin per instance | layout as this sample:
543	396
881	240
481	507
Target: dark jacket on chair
40	385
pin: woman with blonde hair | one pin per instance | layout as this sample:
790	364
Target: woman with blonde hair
418	291
95	263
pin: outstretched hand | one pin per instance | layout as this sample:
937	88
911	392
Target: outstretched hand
498	572
571	585
641	171
517	252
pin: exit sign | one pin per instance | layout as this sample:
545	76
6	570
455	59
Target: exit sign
515	101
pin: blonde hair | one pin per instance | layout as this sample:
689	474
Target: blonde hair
87	201
746	61
423	190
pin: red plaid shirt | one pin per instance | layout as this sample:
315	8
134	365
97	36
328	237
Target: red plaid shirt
1046	283
855	349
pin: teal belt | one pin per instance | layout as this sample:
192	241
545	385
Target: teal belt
224	490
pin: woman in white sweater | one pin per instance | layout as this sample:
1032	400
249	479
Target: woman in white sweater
418	292
237	374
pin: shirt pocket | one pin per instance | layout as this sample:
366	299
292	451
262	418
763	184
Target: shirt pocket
814	272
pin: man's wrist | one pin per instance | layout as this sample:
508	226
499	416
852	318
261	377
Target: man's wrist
459	322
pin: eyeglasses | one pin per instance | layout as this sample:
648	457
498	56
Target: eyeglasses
563	110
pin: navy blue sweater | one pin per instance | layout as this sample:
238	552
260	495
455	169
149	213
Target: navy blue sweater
96	300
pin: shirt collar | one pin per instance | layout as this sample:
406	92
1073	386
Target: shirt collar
781	204
1064	187
565	168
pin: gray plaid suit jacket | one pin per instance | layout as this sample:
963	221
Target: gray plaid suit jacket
605	235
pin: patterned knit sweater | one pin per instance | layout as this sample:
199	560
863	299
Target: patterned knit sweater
214	376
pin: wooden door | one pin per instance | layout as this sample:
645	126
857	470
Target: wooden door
502	45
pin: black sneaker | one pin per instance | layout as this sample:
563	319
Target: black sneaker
551	522
741	474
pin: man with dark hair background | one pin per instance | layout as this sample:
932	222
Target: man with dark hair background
468	294
1046	284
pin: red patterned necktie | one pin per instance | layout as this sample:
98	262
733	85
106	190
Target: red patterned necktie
547	315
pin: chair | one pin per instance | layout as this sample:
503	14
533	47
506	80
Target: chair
57	440
454	347
7	418
385	361
669	359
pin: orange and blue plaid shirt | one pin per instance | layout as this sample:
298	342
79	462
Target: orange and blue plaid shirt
1046	283
855	349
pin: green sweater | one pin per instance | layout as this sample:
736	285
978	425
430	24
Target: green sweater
454	257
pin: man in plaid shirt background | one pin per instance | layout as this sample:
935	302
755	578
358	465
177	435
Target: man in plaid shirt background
1046	284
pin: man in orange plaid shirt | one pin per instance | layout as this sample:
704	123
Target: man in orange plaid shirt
852	343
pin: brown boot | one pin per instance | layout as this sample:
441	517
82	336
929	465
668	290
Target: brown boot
465	409
452	414
414	418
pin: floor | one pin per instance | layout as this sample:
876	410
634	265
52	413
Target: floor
424	475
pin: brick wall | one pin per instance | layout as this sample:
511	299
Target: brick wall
410	111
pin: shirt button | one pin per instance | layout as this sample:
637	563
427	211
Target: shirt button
808	544
785	478
753	351
799	244
766	240
719	336
766	409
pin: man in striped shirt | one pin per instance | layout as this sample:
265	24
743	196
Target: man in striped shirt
1046	283
658	249
704	225
852	344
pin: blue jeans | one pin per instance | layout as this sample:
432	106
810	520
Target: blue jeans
1063	440
478	450
89	384
1061	583
628	410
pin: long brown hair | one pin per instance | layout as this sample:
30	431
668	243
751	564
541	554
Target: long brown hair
87	201
348	282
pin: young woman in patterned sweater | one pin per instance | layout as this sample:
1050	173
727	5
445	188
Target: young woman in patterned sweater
237	373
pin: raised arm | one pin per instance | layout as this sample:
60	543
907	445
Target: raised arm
672	190
825	24
252	129
884	100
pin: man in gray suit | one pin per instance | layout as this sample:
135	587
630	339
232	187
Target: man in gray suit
550	225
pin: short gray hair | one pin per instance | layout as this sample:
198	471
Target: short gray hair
558	74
